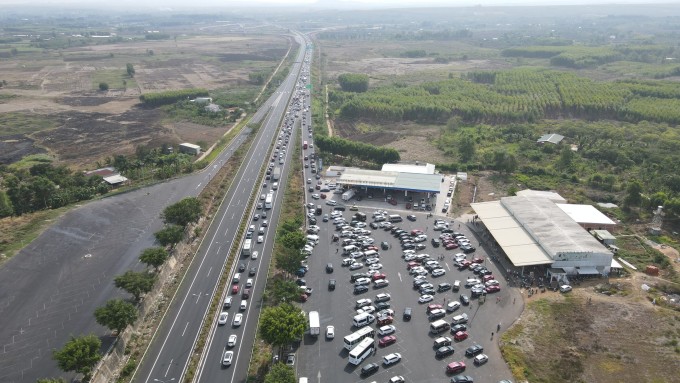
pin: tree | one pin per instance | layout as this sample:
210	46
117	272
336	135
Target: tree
466	149
103	86
504	162
353	82
282	324
6	207
280	373
79	354
182	213
130	70
283	291
633	194
289	260
566	158
135	283
170	235
116	315
294	240
154	257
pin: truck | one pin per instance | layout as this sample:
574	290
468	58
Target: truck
247	246
314	326
304	145
346	196
268	201
276	174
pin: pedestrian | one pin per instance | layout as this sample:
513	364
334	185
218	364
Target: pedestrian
492	334
336	251
513	301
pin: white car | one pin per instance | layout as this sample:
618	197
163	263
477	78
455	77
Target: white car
366	309
363	302
370	261
244	305
227	358
409	257
565	288
425	298
438	272
362	281
397	379
391	358
232	340
472	281
330	332
249	282
356	266
492	282
452	306
420	272
419	277
315	196
387	330
481	359
420	238
375	266
381	283
331	202
222	320
386	313
238	318
260	238
360	224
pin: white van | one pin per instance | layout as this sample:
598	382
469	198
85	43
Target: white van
313	238
349	249
439	326
371	253
303	380
363	319
237	277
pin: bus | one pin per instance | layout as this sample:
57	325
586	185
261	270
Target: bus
268	201
246	247
304	145
362	351
356	337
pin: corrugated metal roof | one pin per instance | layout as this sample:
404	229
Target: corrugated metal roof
418	182
551	195
552	138
391	180
585	214
409	168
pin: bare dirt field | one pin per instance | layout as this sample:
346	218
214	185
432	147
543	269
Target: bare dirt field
87	125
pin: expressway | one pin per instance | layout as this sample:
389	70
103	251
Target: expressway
167	357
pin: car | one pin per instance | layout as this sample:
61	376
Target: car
444	351
386	313
234	289
427	291
330	332
249	282
356	266
260	238
244	304
363	302
443	287
222	320
367	309
382	306
481	359
474	350
458	319
438	272
460	336
464	299
256	217
331	202
382	297
252	271
241	267
377	276
259	206
493	289
455	367
369	369
375	266
411	217
238	318
232	340
316	196
565	288
458	328
472	281
407	314
384	245
396	379
433	306
329	268
371	261
360	289
425	298
362	281
290	360
452	306
441	342
462	379
227	358
331	285
387	340
387	330
391	359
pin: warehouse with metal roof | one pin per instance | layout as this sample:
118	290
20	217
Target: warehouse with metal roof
390	180
536	231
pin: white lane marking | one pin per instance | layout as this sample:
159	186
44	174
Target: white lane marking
198	296
209	270
198	186
447	266
185	328
166	371
399	274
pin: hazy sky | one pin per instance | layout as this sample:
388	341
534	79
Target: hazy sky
324	3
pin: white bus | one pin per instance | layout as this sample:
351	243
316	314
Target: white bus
247	245
362	351
356	337
268	202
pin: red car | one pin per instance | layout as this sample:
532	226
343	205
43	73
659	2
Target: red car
493	289
455	367
377	276
488	278
303	298
465	264
411	265
450	246
460	335
371	247
234	289
477	260
323	196
433	306
416	232
392	201
387	340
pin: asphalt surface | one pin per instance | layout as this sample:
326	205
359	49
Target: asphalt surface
50	289
322	360
167	357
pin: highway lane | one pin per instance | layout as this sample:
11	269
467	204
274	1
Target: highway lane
168	355
211	369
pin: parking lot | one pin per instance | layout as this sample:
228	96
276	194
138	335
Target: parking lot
326	360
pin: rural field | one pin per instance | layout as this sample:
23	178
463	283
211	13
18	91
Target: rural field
52	103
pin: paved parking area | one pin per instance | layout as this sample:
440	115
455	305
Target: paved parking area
326	360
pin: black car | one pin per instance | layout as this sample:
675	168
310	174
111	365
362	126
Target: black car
369	369
407	313
241	267
427	291
329	268
331	285
408	246
340	208
435	242
382	305
418	282
467	249
384	245
360	289
473	350
444	351
411	217
373	225
443	287
356	276
464	299
462	379
301	282
457	328
253	271
312	221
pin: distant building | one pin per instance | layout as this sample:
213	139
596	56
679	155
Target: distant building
102	172
551	195
188	148
415	168
551	138
115	180
202	100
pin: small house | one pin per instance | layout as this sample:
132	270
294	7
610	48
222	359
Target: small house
188	148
